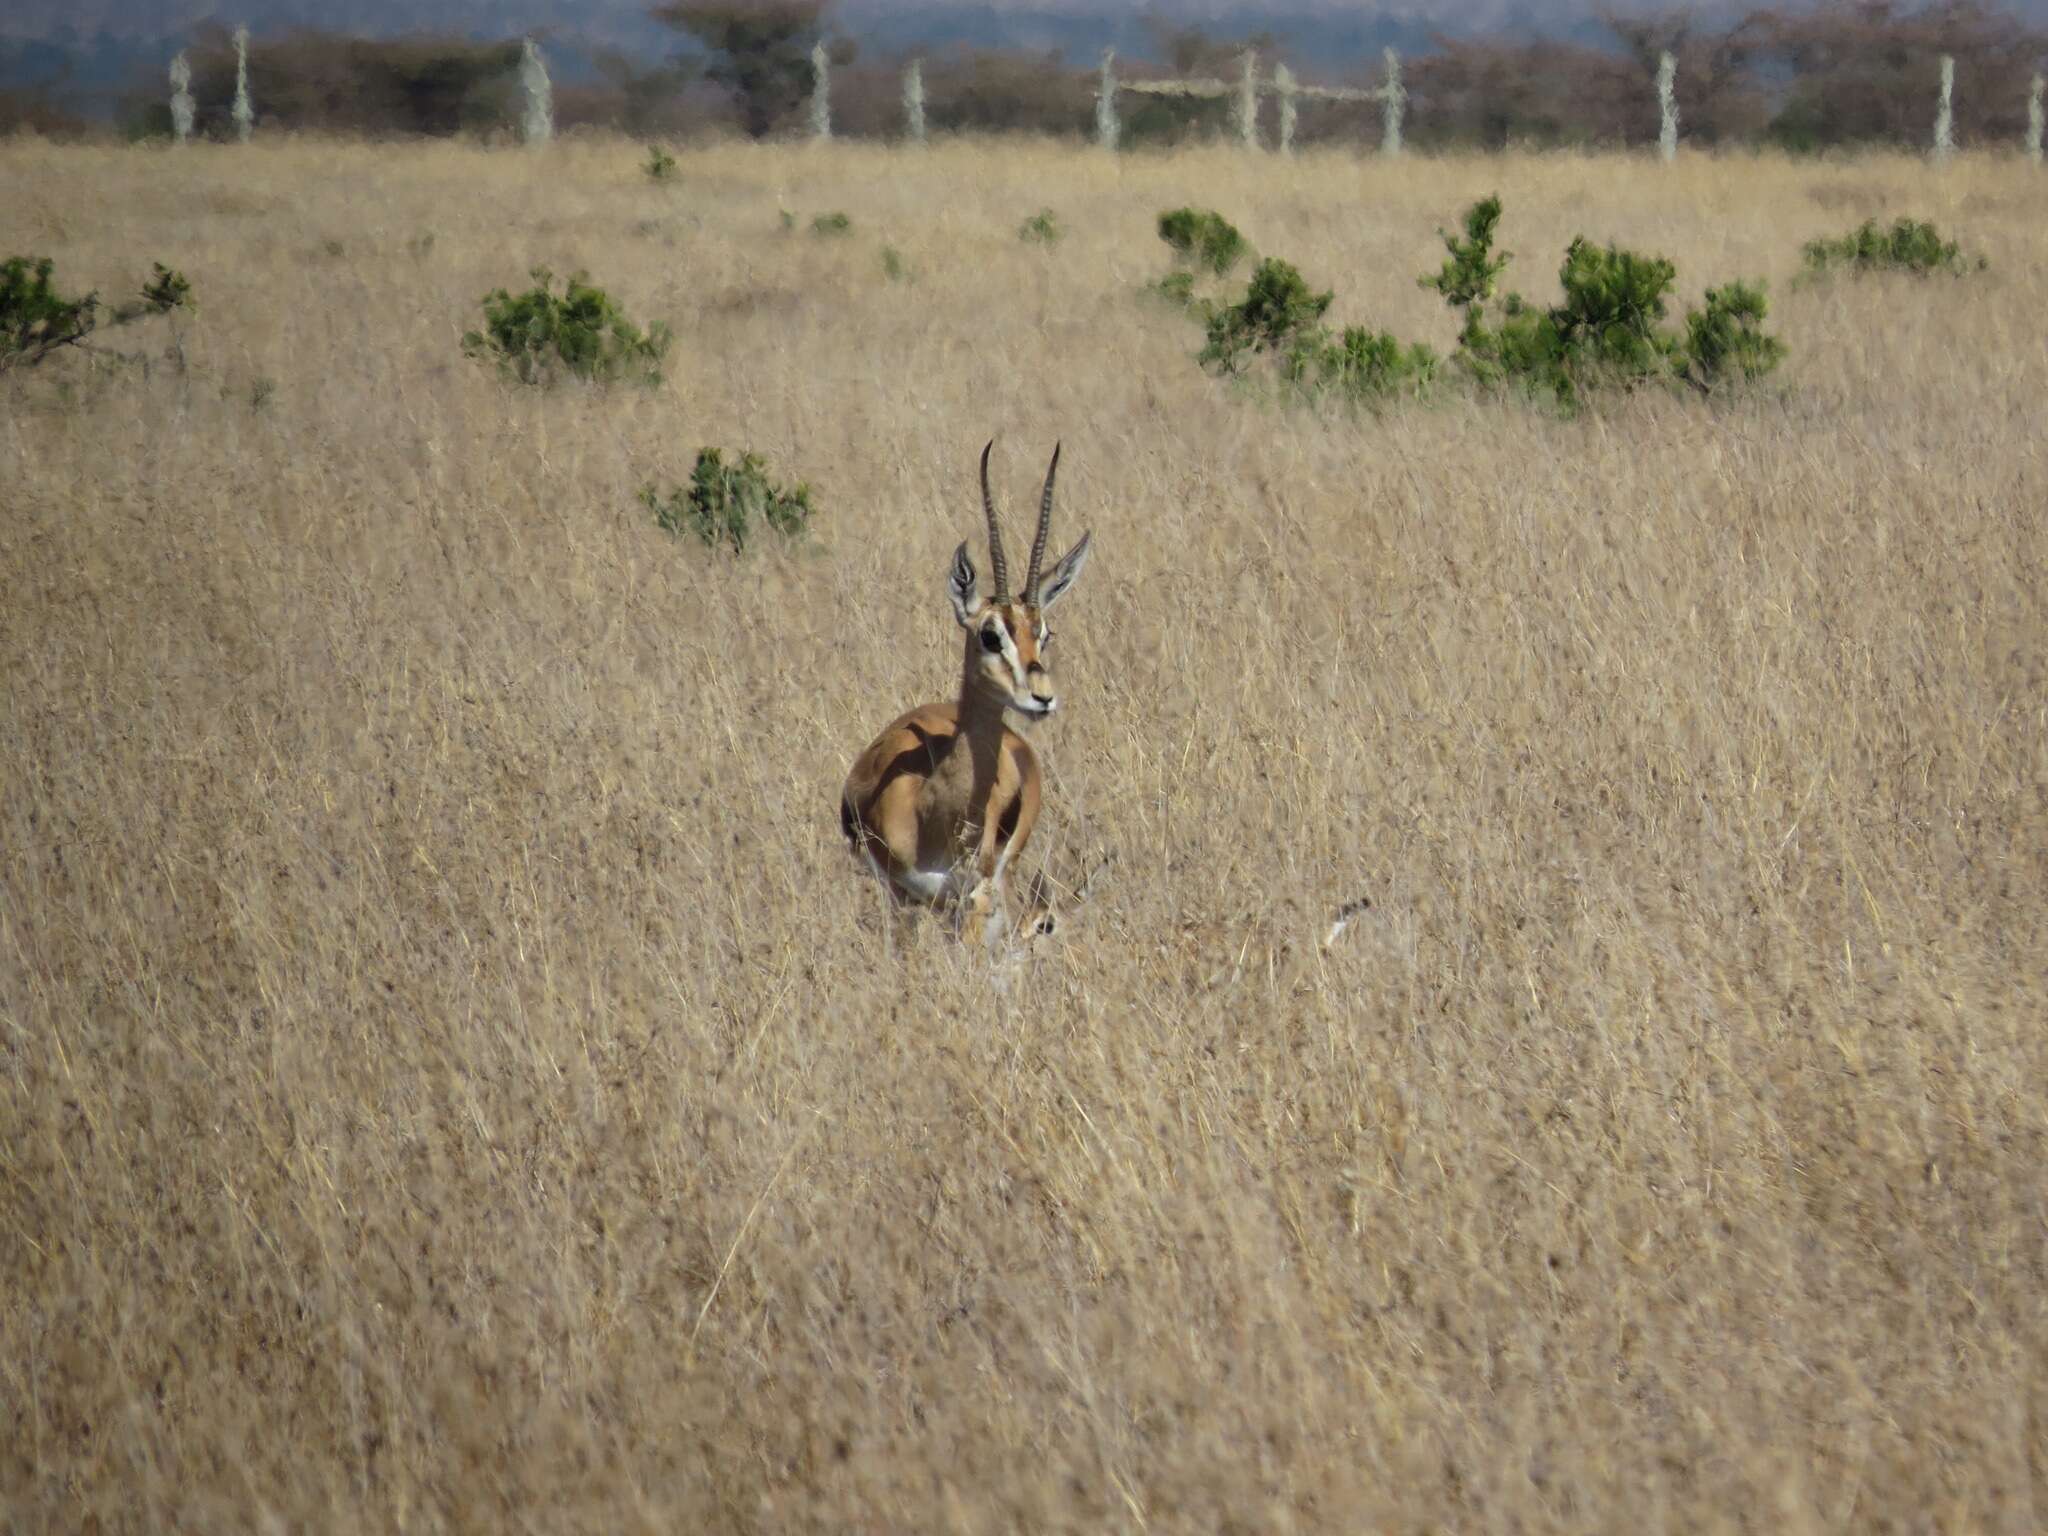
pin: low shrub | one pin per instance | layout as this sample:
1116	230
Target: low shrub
660	165
1729	334
1910	245
1278	313
537	334
726	503
1609	329
1203	239
1042	228
37	321
1362	365
1281	315
831	224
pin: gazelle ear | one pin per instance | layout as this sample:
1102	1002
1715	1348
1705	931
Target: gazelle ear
960	586
1053	586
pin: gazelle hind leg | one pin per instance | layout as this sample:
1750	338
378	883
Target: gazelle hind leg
980	910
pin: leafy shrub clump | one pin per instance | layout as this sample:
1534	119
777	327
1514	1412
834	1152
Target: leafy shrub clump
829	224
1910	245
660	164
1278	313
1202	239
893	266
1042	228
727	503
1282	315
1177	288
1360	364
535	334
1729	334
37	321
1608	331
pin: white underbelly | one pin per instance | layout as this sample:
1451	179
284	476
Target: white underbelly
925	884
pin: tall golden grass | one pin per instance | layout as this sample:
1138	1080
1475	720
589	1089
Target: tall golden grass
453	1076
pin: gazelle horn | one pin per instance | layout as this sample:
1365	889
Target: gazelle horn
1044	527
995	536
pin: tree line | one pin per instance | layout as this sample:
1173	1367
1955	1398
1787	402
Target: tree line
1846	72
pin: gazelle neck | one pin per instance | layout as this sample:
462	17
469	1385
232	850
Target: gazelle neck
981	723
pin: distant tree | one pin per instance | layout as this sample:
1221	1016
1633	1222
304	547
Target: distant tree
987	91
1864	70
333	83
1191	52
760	51
1492	94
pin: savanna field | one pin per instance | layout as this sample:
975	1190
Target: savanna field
453	1076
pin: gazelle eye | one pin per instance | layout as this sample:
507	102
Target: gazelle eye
991	639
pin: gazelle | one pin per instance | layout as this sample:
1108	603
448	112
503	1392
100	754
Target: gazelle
947	795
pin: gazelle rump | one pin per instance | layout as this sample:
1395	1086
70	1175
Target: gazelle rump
947	795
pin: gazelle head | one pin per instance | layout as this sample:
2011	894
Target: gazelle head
1006	634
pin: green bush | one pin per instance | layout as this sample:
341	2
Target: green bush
37	321
829	224
1042	228
1471	269
534	334
1910	245
893	266
1282	315
1361	365
1202	239
1608	331
1278	312
1177	288
660	165
726	503
1729	333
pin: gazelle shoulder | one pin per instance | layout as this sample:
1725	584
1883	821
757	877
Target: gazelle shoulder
927	730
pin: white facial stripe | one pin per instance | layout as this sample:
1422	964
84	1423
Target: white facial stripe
1010	652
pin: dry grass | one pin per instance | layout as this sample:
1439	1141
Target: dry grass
451	1076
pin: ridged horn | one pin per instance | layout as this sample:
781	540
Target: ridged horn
1001	570
1044	527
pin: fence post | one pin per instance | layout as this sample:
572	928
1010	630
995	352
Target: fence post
1105	102
1667	106
1247	108
1283	87
540	95
2034	121
913	99
181	99
1392	99
244	114
1944	115
821	94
